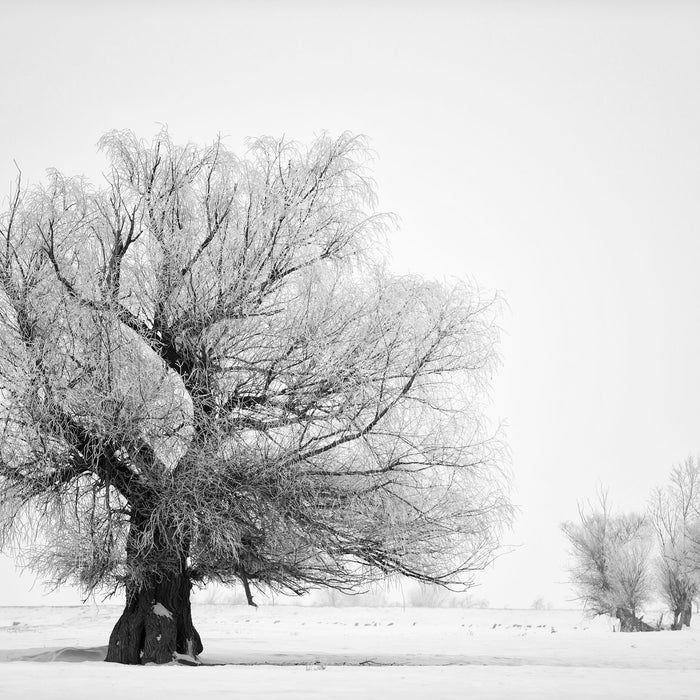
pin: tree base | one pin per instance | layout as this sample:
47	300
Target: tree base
682	617
156	625
629	622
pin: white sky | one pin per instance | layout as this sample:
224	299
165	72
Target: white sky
550	150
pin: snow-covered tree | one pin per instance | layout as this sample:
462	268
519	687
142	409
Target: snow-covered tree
208	375
610	570
675	513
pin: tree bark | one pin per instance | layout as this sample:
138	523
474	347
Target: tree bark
629	622
682	614
687	614
156	624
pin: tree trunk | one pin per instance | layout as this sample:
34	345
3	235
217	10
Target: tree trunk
687	614
682	614
676	619
157	619
629	622
156	624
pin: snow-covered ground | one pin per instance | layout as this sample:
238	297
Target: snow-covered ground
303	652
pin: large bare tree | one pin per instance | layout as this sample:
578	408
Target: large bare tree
208	375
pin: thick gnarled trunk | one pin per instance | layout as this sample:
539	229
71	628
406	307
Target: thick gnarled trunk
687	614
629	622
682	615
156	624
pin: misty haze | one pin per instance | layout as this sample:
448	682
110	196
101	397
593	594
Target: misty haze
350	350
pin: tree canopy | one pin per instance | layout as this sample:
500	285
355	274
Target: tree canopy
206	369
610	553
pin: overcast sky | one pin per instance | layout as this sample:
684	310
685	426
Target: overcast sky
549	150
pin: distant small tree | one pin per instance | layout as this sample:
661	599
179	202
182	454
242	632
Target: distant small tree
611	555
675	514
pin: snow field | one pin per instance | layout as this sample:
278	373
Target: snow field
303	652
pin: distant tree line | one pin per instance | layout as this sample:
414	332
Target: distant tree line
622	561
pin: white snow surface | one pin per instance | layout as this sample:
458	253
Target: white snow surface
160	610
302	652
